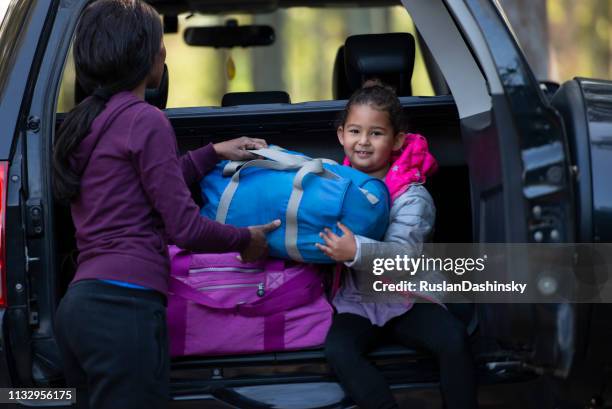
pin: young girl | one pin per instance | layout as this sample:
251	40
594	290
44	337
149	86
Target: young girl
115	161
373	143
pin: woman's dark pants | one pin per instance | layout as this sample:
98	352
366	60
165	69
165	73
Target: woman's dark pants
114	346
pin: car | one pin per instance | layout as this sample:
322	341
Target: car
520	162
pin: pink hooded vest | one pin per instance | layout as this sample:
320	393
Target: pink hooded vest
412	163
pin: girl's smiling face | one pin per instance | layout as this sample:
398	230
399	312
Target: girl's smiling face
368	139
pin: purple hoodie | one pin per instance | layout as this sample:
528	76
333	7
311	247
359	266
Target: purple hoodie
134	194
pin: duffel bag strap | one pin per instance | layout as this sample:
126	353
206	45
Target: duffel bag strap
279	155
228	194
290	297
232	167
276	154
291	226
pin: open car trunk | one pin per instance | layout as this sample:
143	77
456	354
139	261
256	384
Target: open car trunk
487	141
311	128
478	138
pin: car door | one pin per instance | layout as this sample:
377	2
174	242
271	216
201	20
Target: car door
22	29
517	196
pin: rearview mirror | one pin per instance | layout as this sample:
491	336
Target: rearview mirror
230	35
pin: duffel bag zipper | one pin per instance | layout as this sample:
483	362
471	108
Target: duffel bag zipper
224	270
260	287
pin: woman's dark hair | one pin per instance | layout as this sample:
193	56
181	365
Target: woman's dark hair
115	47
380	97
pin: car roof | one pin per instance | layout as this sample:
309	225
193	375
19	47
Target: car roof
174	7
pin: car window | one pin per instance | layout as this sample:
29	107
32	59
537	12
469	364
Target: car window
3	8
300	61
12	16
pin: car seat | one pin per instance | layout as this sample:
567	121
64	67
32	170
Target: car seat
155	96
340	88
255	97
388	57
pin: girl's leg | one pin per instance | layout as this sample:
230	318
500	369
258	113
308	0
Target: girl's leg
349	339
118	337
432	327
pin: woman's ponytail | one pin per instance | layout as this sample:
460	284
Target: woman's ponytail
71	133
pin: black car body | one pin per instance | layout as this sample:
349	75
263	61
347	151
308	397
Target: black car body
492	188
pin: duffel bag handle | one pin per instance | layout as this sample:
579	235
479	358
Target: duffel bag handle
276	154
281	156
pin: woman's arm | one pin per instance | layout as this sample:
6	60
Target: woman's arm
197	163
152	145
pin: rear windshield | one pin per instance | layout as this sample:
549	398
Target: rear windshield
300	61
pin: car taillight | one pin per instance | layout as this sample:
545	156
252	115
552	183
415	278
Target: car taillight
3	192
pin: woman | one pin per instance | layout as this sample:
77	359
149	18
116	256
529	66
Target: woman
115	162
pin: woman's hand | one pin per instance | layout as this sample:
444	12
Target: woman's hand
338	248
236	149
258	245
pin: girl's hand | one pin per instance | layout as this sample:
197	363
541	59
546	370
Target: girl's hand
236	149
338	248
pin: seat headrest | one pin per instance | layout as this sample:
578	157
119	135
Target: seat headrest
257	97
340	88
388	57
155	96
159	96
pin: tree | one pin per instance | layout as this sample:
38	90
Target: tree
268	61
529	20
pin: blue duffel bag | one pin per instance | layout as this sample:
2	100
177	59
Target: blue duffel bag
306	194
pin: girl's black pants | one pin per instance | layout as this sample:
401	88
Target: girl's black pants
427	326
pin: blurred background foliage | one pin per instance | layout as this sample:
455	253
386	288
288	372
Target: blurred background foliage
299	62
561	39
580	36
